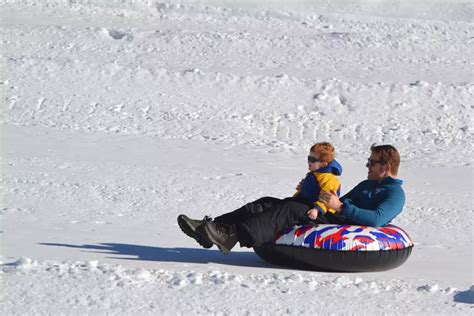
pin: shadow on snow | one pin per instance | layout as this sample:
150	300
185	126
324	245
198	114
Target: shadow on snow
185	255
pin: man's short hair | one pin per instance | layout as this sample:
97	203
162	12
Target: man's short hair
387	154
325	150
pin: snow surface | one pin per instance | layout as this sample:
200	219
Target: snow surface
119	115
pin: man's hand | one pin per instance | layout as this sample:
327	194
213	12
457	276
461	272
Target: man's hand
331	200
313	214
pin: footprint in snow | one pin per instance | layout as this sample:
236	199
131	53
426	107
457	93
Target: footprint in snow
224	176
118	35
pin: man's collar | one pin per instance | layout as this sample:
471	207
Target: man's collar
389	179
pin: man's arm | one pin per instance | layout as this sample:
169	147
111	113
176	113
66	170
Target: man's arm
387	210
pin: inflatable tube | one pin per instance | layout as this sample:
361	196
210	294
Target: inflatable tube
338	248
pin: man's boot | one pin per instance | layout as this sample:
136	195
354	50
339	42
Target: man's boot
189	226
222	235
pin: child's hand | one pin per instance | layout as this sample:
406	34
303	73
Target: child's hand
313	214
298	187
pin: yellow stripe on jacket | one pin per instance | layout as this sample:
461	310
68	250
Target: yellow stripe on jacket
327	182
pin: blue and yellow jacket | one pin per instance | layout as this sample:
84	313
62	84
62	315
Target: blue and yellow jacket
321	179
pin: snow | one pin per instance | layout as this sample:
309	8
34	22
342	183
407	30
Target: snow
137	290
118	116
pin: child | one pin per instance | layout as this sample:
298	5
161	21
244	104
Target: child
322	176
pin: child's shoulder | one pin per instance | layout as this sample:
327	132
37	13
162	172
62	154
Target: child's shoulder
325	177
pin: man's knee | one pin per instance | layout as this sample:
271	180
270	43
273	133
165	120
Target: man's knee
266	200
265	204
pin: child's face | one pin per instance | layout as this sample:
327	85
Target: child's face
314	163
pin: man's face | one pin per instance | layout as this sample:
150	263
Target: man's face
313	166
376	169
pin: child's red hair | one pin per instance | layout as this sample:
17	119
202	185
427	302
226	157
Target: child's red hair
325	150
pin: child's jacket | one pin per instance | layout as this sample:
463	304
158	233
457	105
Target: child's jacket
321	179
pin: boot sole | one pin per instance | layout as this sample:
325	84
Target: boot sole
187	229
222	248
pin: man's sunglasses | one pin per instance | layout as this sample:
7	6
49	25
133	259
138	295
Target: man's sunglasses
312	159
373	162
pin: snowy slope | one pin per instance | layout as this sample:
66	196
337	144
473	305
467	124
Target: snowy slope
117	117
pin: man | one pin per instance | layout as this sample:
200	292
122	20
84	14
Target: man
373	202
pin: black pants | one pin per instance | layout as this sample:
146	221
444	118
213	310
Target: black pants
258	222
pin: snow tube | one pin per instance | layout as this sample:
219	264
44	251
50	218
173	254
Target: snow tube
338	248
